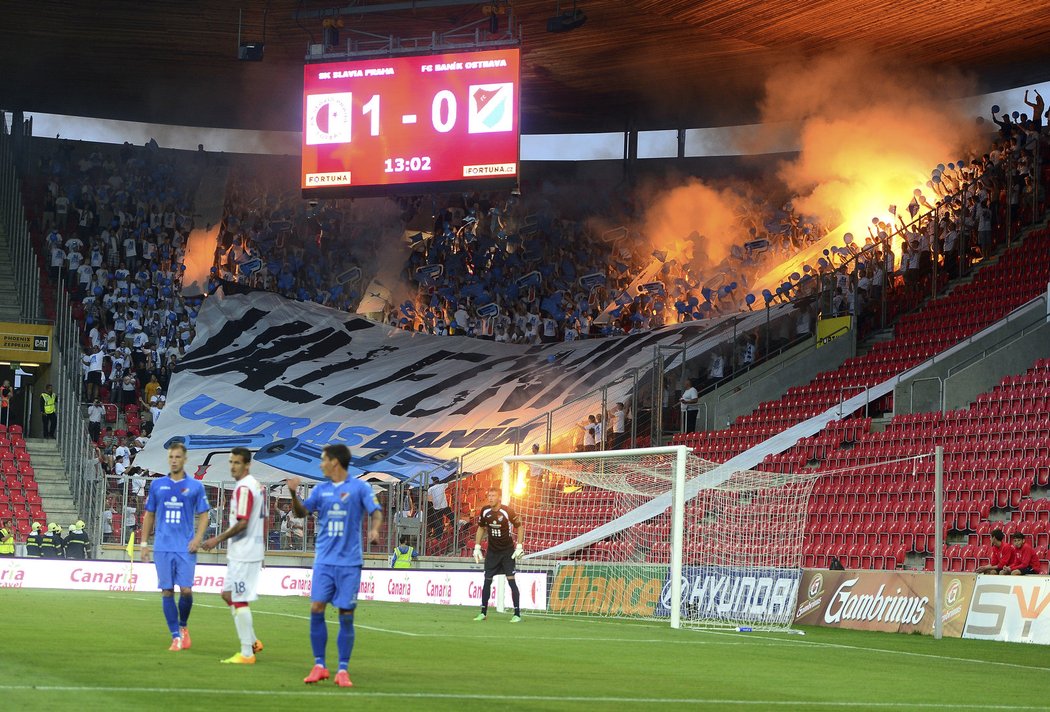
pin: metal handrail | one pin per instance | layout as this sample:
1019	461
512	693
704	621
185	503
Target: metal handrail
1040	319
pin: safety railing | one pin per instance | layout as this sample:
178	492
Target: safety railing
15	226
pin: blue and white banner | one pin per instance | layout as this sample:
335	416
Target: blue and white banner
292	377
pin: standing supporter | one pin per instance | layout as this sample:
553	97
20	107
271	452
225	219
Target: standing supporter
690	406
95	414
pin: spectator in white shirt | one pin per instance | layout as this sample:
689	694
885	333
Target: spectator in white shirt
95	414
618	415
690	406
438	500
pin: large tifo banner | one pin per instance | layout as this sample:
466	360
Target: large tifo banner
285	378
437	586
887	601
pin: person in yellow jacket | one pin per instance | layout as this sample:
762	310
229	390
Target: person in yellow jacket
7	540
403	555
49	410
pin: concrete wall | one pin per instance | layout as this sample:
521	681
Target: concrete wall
770	380
1009	350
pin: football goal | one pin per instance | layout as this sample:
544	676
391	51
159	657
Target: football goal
661	534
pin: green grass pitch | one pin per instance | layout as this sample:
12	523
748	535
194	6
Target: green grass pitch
108	651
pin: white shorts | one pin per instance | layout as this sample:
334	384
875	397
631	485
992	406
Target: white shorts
242	580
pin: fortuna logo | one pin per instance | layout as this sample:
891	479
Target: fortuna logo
336	507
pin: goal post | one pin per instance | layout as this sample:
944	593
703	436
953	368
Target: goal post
661	534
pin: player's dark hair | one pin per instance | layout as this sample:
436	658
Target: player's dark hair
244	453
1017	536
997	534
340	453
178	445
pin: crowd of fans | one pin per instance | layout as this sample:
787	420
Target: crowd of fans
501	266
115	222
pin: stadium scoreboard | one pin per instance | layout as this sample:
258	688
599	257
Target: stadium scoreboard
411	123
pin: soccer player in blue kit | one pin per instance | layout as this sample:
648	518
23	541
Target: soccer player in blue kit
340	503
180	501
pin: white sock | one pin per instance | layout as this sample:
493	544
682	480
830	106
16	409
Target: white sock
242	619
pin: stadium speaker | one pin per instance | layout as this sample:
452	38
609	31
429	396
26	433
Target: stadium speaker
566	21
251	51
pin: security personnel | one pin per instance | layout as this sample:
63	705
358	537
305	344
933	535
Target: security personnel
53	546
403	555
77	542
48	406
33	542
7	540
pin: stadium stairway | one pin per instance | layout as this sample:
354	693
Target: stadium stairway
49	472
10	307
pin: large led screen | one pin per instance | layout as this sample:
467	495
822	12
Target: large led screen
400	124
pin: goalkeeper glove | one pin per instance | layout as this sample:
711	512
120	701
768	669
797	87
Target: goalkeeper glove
519	551
477	553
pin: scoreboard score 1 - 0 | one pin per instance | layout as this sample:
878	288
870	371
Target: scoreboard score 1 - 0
401	124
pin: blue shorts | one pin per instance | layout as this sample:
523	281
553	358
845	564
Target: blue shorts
174	568
337	585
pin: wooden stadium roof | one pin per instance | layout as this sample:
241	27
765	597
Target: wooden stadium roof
635	63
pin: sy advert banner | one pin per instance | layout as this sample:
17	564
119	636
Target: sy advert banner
1010	608
887	601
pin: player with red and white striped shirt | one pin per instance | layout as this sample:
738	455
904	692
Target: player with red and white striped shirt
245	552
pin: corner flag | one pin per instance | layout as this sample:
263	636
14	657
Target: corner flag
131	546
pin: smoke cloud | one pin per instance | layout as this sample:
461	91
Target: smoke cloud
869	132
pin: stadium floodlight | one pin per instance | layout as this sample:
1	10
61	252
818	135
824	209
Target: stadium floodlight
566	21
640	534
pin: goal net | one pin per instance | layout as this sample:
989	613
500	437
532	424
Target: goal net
662	534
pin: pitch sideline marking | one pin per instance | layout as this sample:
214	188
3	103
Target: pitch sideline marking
290	615
519	698
752	636
256	611
844	646
306	618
